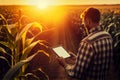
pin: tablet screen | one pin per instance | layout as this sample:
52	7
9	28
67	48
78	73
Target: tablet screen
61	52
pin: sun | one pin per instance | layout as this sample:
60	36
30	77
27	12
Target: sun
42	5
39	3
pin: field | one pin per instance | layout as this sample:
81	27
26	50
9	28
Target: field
27	31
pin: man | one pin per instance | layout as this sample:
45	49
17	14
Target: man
95	52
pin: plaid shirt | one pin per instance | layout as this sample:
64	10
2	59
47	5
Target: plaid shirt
94	56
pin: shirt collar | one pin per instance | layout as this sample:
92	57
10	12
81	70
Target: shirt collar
95	29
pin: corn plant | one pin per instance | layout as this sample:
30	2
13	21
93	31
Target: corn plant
15	44
111	23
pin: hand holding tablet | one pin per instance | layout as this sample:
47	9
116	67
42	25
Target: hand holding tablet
61	52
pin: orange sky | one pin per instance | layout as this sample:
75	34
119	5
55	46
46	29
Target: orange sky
59	2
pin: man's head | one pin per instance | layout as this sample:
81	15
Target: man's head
91	17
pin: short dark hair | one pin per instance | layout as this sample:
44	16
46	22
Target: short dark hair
93	14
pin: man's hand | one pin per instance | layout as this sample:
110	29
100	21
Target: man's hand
70	60
62	62
72	55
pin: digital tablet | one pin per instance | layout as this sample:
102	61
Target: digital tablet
61	52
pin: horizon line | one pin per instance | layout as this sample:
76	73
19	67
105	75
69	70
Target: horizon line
55	4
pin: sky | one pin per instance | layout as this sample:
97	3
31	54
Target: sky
58	2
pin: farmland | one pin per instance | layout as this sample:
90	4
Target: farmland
35	13
52	26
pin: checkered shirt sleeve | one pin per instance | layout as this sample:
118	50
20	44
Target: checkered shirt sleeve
83	60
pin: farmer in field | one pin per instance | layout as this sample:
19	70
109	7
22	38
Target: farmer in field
94	56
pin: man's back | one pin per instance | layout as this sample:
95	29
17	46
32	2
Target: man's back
101	44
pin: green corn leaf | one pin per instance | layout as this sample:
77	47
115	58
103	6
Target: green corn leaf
45	75
42	51
7	44
28	76
2	50
117	34
5	22
24	30
29	48
116	44
8	32
7	29
41	74
28	41
11	73
3	58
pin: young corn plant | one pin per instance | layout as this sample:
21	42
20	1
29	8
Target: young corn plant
14	50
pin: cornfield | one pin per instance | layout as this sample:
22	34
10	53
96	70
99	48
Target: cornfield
23	37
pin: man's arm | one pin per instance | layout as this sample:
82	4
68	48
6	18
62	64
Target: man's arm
84	56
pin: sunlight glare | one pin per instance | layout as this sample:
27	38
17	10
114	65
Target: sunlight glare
42	6
56	15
